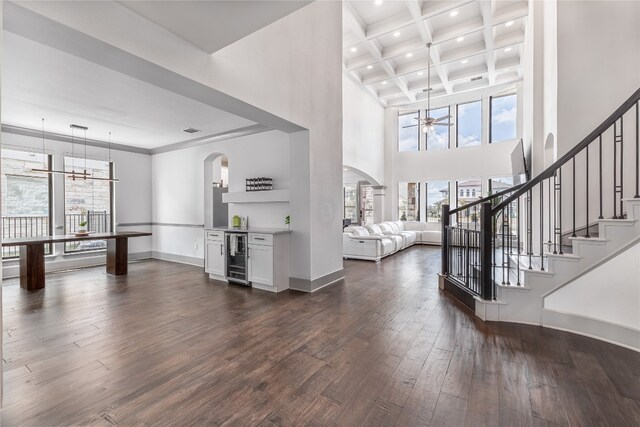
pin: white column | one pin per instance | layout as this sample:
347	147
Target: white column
378	203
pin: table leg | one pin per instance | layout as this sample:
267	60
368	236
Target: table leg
32	267
117	255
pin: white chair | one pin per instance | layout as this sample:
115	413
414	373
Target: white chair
358	243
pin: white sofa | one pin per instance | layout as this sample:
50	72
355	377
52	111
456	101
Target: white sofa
377	241
358	243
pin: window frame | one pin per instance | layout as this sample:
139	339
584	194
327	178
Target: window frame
445	201
417	204
491	98
111	204
481	122
417	125
48	247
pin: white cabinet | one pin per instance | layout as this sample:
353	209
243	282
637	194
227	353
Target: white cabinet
214	254
269	261
261	264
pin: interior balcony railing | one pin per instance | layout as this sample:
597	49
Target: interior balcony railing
519	228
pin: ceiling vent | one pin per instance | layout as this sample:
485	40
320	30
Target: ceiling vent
191	130
473	79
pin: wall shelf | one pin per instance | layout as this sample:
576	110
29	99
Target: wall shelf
270	196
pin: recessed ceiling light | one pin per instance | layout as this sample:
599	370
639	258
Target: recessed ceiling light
396	34
464	61
369	67
378	2
384	82
453	13
354	49
420	73
507	49
409	55
508	24
459	39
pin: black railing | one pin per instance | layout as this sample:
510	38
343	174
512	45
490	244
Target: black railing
15	227
521	227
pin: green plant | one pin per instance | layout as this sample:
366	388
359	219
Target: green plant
287	220
83	224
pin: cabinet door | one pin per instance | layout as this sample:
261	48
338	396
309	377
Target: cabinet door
261	264
215	258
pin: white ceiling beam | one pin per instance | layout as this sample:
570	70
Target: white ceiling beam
358	28
487	9
426	35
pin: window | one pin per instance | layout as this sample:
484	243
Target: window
437	195
500	183
87	200
469	191
503	118
408	132
366	204
469	124
409	201
26	198
351	202
439	138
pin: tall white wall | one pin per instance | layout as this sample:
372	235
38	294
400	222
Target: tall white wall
598	54
610	292
132	197
363	131
291	69
178	186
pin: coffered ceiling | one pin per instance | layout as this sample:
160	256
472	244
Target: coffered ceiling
476	44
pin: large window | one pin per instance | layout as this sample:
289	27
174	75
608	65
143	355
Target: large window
366	204
409	201
437	195
468	191
503	118
439	138
408	132
87	202
26	197
469	124
500	183
351	202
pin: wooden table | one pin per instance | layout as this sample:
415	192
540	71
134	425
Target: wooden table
32	254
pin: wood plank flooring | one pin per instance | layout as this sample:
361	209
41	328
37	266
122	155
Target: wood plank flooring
167	346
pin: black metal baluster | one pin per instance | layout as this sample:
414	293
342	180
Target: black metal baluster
560	209
555	213
600	172
542	226
503	244
621	165
637	196
549	235
573	206
529	227
518	241
615	174
587	198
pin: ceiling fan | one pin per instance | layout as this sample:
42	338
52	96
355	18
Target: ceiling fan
429	123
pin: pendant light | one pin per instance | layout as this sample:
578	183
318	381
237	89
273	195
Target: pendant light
48	170
84	175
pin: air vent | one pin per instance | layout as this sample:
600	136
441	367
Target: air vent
191	130
473	79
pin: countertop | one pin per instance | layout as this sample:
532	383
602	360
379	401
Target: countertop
253	230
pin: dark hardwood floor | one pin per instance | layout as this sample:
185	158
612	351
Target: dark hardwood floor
166	346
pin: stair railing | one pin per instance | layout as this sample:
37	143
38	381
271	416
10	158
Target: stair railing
522	227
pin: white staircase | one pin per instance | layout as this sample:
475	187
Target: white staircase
525	303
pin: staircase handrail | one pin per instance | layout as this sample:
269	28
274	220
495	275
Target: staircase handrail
547	173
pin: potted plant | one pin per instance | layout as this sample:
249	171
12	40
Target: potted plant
82	225
287	221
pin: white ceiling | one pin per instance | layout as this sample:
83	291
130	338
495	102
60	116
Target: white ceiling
42	82
476	44
212	25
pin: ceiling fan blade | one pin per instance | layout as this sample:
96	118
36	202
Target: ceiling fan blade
442	118
409	126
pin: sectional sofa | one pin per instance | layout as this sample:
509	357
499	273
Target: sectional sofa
376	241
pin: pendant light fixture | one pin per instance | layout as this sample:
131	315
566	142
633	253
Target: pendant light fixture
47	170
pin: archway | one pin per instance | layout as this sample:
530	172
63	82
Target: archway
216	182
362	197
